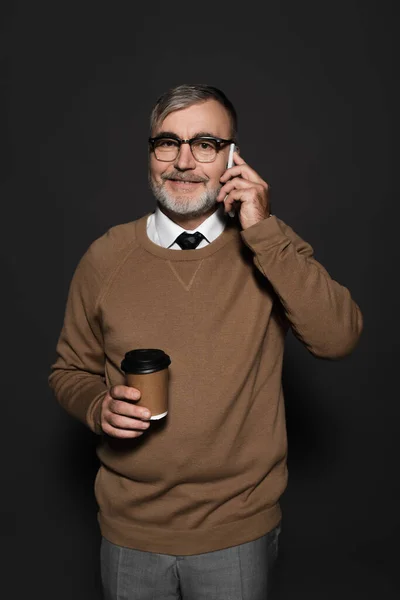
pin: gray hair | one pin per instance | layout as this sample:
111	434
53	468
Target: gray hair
185	95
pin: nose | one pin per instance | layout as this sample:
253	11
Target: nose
185	159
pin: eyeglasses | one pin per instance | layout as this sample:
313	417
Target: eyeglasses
204	148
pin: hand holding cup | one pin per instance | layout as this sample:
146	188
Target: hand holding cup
120	416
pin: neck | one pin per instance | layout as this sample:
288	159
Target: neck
187	221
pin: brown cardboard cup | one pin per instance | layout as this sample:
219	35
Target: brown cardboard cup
146	369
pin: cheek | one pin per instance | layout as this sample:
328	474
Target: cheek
215	172
156	169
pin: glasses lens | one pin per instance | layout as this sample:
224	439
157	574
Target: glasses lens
204	150
166	149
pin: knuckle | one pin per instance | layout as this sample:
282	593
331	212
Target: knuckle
115	407
106	428
138	412
116	420
134	394
108	409
110	419
106	400
119	392
114	391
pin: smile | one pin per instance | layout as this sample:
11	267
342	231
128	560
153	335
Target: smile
183	183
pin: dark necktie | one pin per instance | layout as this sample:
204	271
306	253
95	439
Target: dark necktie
189	241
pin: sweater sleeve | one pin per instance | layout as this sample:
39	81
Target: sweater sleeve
78	375
320	311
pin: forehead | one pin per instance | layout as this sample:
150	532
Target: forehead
209	116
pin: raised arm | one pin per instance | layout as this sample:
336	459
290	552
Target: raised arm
320	311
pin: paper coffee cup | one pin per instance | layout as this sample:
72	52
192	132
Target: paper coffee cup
146	369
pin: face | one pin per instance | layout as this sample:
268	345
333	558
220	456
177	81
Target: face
186	186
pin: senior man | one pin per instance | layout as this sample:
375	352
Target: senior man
189	505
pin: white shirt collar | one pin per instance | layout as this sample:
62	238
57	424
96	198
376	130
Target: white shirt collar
168	231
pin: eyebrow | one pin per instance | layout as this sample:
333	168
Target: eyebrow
171	134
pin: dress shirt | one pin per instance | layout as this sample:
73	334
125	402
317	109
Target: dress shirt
163	232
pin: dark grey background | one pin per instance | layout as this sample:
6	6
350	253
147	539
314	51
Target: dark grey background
314	86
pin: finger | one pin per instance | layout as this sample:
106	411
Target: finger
121	433
124	392
126	409
237	159
241	168
235	183
243	171
231	197
120	422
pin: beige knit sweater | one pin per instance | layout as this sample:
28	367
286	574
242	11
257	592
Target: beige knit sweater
211	474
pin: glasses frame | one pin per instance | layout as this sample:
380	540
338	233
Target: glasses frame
221	143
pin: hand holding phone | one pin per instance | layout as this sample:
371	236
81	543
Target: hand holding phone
243	191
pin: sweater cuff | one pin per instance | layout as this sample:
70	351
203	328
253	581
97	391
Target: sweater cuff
264	235
93	416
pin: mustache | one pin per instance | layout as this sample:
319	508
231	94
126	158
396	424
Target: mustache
183	177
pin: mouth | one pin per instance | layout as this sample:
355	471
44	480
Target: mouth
184	182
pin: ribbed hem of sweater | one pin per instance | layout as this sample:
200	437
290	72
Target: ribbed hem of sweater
178	542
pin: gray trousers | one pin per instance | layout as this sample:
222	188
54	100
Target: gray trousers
241	572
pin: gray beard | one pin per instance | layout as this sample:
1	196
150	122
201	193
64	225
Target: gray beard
184	205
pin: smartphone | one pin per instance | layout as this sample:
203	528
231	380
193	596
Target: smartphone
232	149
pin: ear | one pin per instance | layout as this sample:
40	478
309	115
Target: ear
237	149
